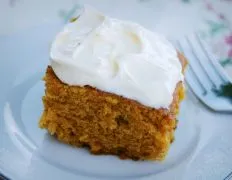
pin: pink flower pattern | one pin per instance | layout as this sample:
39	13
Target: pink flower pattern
230	53
228	40
223	21
221	16
209	6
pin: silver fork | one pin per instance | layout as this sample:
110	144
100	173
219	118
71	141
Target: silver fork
228	177
204	73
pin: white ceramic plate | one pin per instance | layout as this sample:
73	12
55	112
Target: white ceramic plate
29	153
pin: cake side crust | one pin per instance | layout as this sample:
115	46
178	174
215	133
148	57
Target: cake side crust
108	123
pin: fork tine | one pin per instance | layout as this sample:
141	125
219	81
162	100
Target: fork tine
207	70
228	177
199	88
194	83
215	64
198	72
198	79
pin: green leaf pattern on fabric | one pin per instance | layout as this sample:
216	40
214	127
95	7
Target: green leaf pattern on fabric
225	62
216	27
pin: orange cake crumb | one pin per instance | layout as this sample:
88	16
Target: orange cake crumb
108	123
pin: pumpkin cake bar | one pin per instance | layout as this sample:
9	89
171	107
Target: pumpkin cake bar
113	86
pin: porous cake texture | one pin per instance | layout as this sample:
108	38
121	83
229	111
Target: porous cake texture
108	123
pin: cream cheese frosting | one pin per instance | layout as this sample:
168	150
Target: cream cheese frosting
117	56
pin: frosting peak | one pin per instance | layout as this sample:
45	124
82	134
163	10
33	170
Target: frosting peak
118	57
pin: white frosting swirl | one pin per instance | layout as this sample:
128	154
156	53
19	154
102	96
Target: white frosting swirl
118	57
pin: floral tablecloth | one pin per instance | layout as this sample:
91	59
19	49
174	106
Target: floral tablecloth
174	18
212	18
